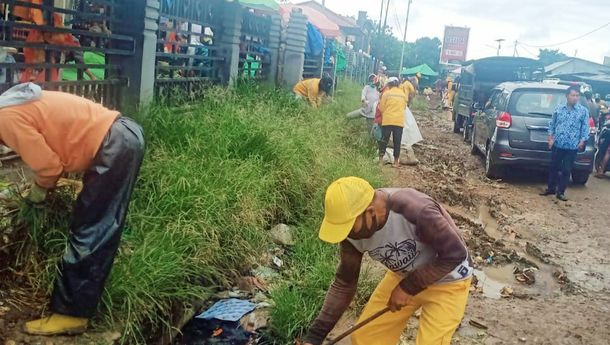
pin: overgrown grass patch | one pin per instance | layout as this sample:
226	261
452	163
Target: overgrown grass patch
217	174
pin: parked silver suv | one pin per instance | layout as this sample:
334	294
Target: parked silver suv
512	129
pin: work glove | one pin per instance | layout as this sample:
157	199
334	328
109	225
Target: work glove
37	194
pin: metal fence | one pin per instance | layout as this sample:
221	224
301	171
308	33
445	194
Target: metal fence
359	66
254	53
188	54
66	48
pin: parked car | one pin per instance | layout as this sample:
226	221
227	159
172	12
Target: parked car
512	129
479	77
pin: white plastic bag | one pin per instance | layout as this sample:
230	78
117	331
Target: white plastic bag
410	134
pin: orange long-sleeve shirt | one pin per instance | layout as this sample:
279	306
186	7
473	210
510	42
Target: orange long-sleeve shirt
58	133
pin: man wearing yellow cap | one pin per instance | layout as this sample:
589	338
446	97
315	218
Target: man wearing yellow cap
416	239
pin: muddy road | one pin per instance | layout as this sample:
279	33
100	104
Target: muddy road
542	265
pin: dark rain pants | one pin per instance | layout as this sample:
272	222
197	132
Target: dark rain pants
99	216
396	133
560	169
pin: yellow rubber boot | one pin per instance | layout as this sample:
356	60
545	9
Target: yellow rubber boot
56	324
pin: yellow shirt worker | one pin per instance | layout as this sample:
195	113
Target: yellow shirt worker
313	90
392	107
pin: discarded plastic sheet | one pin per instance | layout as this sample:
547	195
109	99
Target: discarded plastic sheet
228	310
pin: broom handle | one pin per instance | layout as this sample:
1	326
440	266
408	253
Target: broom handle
359	325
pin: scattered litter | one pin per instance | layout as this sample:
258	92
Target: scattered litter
523	340
260	298
477	324
278	262
251	284
228	310
207	332
526	276
506	292
282	234
255	320
266	273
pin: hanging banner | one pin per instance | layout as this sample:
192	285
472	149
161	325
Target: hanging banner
455	44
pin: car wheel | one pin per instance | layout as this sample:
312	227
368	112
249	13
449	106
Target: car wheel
467	131
492	170
457	124
580	177
473	145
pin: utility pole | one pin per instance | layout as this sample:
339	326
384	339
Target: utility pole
380	17
324	3
404	38
385	20
499	40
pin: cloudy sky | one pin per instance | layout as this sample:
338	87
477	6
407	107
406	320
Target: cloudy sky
530	22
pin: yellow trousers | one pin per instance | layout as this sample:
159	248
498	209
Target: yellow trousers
442	306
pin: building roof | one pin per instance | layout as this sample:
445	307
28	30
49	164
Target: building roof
342	21
579	66
555	65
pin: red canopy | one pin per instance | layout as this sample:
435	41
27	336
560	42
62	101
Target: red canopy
326	26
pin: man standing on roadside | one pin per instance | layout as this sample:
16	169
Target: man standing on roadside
568	133
56	132
422	248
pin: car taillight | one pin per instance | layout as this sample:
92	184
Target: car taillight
504	120
592	128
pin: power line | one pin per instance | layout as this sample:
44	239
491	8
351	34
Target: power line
397	20
526	50
568	41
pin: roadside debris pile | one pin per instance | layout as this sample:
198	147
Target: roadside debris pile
240	316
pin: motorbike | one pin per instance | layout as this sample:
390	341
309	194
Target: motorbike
603	141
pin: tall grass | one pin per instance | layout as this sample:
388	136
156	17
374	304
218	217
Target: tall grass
217	174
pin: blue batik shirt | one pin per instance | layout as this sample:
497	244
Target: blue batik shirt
569	127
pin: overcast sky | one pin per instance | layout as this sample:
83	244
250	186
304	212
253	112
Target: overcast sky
532	22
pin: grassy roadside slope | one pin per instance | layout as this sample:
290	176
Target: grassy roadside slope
217	175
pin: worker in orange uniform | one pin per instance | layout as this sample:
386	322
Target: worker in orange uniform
57	132
314	89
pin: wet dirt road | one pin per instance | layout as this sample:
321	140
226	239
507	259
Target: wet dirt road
542	265
569	301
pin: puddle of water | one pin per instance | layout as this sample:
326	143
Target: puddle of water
489	223
493	279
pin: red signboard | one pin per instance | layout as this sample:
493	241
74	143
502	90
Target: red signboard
455	44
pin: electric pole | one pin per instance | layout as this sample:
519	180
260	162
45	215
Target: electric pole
499	40
385	20
404	38
380	17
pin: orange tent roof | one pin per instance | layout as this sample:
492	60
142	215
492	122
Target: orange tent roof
326	26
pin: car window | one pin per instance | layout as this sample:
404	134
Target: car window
493	100
502	100
537	103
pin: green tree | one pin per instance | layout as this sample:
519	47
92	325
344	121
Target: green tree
425	50
388	48
549	56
